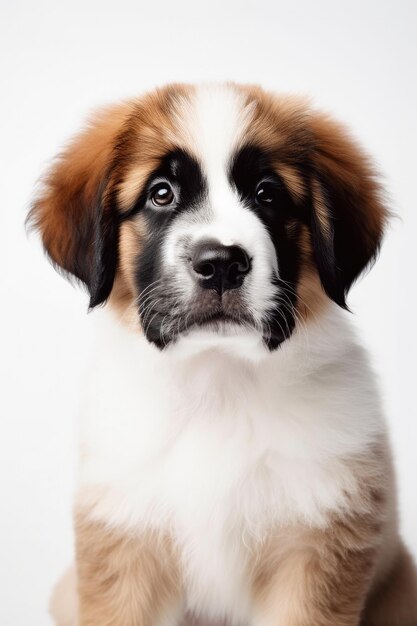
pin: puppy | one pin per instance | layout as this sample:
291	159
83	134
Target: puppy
234	461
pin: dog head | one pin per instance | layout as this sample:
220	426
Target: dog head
217	209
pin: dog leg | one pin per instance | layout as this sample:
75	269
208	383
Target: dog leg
318	578
125	579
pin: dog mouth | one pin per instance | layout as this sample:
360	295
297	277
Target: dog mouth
211	318
224	324
217	326
167	328
218	320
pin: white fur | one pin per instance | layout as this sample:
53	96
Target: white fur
217	447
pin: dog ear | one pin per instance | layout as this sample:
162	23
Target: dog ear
79	228
348	215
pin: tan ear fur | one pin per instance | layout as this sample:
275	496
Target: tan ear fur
70	212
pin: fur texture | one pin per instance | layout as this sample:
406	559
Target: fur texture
234	463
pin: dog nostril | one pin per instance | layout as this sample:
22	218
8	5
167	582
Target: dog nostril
236	272
241	266
207	270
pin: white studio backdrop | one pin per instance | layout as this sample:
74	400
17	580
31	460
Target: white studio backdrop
59	60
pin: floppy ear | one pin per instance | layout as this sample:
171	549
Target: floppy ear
78	225
348	214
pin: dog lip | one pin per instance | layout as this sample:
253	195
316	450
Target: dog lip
216	320
220	316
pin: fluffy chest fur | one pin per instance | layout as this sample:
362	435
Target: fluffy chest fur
218	450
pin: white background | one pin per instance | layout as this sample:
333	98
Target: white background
60	59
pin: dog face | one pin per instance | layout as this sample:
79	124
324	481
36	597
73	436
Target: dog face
209	260
216	209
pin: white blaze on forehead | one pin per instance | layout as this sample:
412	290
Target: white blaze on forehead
215	121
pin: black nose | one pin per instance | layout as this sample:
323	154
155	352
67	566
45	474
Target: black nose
220	267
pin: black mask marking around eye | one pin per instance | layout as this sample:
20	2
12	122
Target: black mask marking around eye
184	174
180	170
264	192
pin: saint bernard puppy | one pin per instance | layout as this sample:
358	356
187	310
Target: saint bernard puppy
234	464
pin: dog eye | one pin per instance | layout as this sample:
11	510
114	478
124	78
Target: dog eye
266	194
162	195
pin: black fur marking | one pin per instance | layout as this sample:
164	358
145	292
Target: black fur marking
348	250
182	171
185	174
249	167
101	249
324	253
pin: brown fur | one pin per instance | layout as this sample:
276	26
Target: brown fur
69	192
316	577
124	293
394	601
152	132
124	579
293	180
311	577
351	173
354	571
311	299
321	208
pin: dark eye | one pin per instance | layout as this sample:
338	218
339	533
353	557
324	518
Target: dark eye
266	194
162	195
